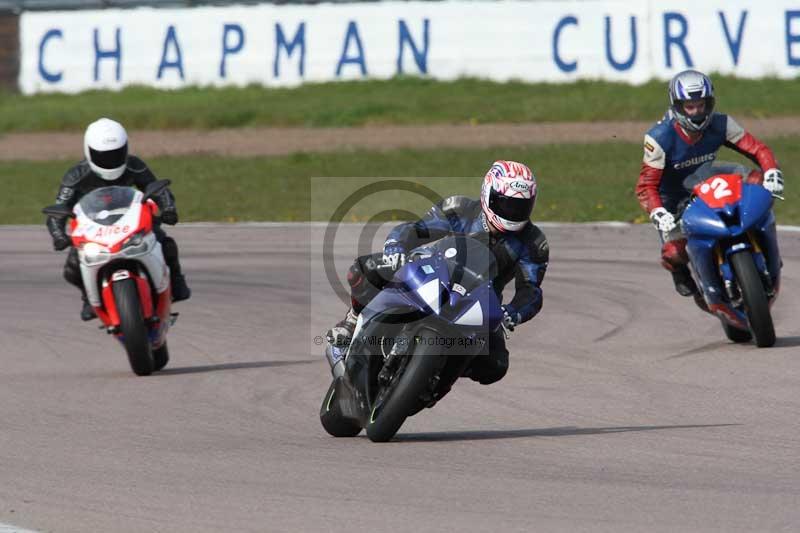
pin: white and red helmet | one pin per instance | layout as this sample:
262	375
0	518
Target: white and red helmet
508	195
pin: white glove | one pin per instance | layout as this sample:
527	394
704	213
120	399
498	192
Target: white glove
773	181
663	219
394	255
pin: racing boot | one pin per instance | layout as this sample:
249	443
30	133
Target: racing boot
684	283
341	335
180	290
701	302
87	311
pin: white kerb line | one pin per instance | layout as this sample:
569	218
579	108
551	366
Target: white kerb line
8	528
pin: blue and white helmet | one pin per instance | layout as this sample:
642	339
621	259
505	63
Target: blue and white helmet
691	85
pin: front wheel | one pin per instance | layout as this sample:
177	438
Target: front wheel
756	304
404	393
132	327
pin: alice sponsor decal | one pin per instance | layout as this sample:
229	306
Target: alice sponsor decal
108	231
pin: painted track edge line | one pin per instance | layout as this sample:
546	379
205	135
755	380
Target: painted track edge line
8	528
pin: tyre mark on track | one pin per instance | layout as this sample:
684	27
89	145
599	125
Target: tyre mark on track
702	349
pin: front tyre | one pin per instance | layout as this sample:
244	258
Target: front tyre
756	304
132	327
405	394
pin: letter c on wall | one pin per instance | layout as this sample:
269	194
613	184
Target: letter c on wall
48	76
564	66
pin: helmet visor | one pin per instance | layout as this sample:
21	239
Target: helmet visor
514	209
109	159
696	110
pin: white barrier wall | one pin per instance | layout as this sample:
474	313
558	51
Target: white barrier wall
558	41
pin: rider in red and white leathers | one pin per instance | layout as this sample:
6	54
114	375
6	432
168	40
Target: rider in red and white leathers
688	136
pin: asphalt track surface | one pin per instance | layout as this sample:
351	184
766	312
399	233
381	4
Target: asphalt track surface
625	409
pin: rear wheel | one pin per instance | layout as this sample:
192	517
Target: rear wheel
132	327
402	396
756	304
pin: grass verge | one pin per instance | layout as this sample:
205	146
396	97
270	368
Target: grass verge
577	182
398	101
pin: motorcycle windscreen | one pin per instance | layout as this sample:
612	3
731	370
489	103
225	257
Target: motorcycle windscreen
470	262
711	169
108	204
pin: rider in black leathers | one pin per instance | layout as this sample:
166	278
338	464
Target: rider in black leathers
104	168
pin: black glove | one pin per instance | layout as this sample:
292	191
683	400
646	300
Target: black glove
62	242
510	318
169	216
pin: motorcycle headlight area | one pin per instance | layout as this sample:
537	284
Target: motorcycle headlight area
137	244
94	254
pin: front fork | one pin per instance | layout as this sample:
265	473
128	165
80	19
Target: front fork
768	266
108	313
712	266
156	317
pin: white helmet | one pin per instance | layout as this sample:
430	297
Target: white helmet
508	195
105	146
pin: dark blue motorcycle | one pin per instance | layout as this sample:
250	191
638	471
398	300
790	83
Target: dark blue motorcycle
733	248
414	339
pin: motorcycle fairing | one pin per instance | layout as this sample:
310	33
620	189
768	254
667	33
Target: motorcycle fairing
426	287
152	260
713	234
422	293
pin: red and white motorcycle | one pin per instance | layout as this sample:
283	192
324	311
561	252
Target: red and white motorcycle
123	269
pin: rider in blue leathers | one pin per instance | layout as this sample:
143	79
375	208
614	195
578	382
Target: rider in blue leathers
690	135
502	215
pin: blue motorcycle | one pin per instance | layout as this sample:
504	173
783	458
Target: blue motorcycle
733	249
414	339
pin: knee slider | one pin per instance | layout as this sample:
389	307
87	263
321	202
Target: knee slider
673	255
354	275
170	248
489	368
493	373
72	275
72	272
